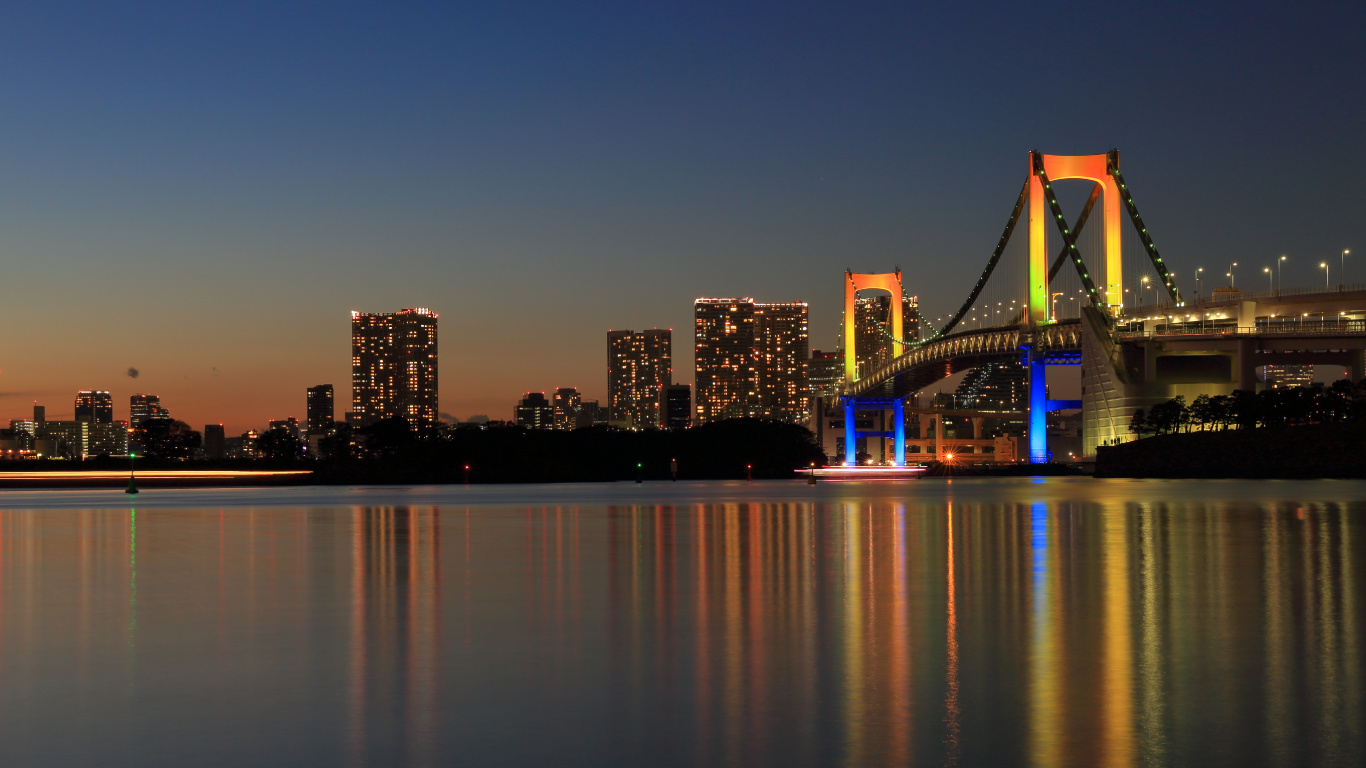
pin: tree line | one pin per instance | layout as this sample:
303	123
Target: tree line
1340	403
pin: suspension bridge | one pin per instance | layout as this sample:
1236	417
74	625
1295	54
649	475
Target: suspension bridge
1064	294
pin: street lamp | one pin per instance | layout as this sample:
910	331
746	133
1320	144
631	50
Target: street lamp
1144	294
1231	269
1280	279
1197	281
1324	266
1342	268
1270	279
1055	306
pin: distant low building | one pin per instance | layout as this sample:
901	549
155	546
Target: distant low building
108	439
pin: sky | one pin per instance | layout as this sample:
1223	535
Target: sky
204	191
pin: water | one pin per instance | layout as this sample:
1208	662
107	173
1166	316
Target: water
972	622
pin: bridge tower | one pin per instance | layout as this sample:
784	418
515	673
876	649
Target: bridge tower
853	283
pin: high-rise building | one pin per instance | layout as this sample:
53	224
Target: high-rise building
823	372
781	347
320	409
535	412
215	442
393	366
566	404
638	366
675	406
39	413
94	406
873	328
994	387
144	407
726	377
290	425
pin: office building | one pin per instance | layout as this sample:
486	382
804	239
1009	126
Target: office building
591	414
394	366
108	439
566	403
824	373
39	413
24	432
726	377
535	412
1282	376
63	439
94	406
143	407
320	409
215	442
675	406
781	347
638	366
289	425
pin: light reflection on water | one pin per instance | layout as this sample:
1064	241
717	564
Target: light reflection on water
972	623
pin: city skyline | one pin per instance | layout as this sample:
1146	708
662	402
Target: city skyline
211	215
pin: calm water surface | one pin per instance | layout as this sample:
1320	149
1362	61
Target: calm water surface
973	622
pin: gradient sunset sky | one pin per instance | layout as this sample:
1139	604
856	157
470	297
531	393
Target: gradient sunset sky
204	191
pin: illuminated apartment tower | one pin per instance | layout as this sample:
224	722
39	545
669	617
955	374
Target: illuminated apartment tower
727	380
393	366
872	326
639	365
781	347
94	406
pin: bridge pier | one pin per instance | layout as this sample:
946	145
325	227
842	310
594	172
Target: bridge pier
852	434
1038	407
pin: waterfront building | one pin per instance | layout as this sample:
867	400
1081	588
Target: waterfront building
592	414
675	406
639	365
566	404
781	347
95	406
394	366
63	439
725	373
290	425
24	431
320	409
535	412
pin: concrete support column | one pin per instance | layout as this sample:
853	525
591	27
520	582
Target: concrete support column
899	432
938	437
1038	409
1247	364
977	427
1358	364
850	435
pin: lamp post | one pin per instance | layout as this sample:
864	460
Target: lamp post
1280	278
1270	279
1144	294
1054	309
1231	268
1324	266
1197	282
1342	269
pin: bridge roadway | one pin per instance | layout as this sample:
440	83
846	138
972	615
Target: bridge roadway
941	358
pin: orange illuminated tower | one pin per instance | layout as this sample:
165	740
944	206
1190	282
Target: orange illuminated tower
393	366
